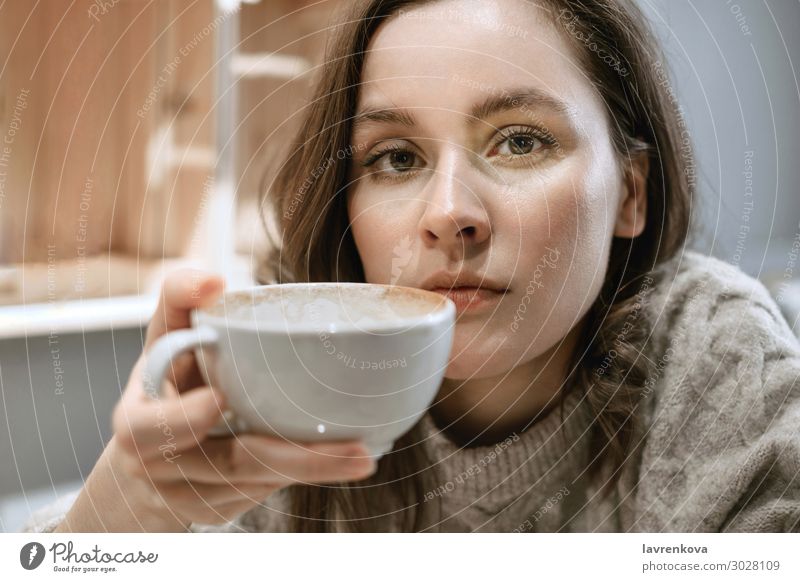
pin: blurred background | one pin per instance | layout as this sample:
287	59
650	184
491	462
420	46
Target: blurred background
135	134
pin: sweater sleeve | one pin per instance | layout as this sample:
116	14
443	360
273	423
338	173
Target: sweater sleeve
47	518
267	517
769	477
722	451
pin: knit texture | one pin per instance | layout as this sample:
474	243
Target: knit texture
720	438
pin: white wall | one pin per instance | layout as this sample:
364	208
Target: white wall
736	66
56	435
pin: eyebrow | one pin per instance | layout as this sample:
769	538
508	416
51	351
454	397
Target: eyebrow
512	99
375	115
528	97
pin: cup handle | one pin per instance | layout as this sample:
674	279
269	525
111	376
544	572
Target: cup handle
167	348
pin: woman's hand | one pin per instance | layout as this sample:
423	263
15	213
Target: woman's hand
161	460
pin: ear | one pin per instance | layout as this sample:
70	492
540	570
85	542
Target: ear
632	212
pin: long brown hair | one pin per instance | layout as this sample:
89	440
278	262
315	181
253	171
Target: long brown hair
307	196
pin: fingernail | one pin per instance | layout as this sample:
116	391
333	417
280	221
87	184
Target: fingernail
212	284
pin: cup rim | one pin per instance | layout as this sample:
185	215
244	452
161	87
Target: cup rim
445	311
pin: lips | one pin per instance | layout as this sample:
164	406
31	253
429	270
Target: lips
470	298
469	291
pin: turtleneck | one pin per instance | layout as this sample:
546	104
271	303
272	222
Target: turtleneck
498	487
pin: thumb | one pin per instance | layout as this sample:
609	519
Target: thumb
182	291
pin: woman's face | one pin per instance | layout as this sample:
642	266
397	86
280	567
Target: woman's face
483	168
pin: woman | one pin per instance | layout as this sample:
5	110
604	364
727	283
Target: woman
528	160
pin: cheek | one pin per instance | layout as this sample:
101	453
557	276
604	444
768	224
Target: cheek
382	239
569	210
579	204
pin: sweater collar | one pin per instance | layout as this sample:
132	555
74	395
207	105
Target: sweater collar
544	457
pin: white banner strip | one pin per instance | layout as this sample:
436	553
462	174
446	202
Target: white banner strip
406	557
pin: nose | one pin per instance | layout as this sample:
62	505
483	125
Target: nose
455	218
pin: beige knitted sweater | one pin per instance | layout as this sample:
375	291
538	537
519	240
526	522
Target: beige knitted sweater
721	433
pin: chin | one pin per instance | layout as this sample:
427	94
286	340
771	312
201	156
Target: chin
494	352
479	360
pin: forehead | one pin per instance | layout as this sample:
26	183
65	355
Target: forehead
460	49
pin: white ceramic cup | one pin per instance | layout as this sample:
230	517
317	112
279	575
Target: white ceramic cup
318	361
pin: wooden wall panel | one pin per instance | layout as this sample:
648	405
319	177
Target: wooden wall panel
116	137
105	125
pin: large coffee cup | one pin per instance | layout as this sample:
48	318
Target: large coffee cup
315	362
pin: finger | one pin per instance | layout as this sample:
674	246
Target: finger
182	375
262	459
135	394
182	291
166	426
212	504
185	373
230	511
183	496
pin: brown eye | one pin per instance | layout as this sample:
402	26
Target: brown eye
393	164
401	160
521	144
